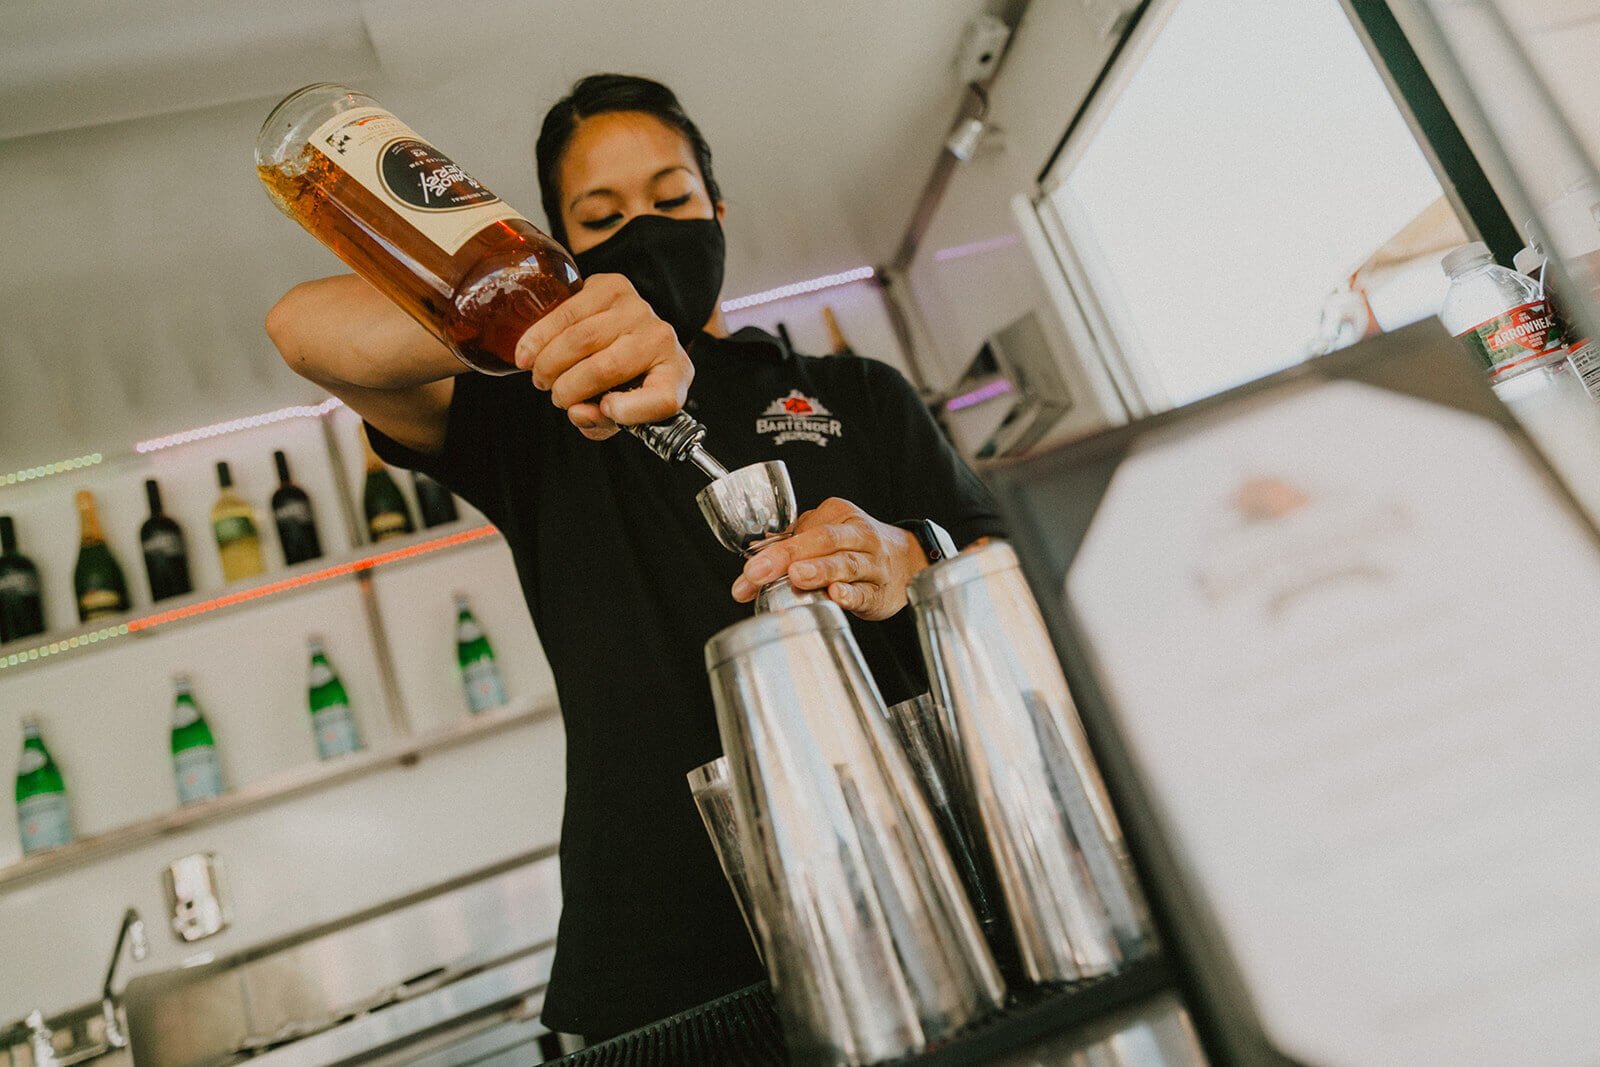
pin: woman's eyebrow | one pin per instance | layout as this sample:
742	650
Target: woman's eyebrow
602	191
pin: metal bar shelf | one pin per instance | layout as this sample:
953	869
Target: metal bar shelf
50	647
403	752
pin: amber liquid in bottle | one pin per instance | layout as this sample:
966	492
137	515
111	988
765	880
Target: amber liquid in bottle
478	300
427	235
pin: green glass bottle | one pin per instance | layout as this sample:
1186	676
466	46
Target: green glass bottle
97	579
480	675
331	719
42	815
195	765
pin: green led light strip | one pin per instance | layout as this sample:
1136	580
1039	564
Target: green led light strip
45	470
67	644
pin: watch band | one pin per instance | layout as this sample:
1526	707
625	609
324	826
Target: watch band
935	541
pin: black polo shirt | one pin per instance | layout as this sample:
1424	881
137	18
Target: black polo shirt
625	583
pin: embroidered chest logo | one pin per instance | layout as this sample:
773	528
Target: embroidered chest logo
798	417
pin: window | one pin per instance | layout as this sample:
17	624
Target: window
1243	194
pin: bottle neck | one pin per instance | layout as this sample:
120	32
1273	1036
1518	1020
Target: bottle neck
89	522
152	492
283	466
8	536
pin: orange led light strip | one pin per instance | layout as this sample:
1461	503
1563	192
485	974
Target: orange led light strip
244	596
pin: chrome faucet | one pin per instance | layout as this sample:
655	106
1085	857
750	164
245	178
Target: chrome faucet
132	934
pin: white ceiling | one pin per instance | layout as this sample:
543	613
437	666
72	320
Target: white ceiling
140	255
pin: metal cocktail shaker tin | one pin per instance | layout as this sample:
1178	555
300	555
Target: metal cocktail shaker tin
1063	867
713	798
872	948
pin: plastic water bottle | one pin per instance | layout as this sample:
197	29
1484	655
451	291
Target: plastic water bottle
1505	319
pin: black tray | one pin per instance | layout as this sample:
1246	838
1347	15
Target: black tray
741	1029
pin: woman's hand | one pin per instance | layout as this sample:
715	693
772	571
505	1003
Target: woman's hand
602	337
864	564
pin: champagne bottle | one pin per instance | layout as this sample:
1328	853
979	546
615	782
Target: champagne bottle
381	500
331	719
21	602
97	579
166	558
42	816
233	521
291	511
436	503
837	344
480	675
195	765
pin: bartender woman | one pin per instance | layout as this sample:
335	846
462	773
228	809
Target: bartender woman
622	578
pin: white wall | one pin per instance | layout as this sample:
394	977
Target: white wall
106	713
858	307
973	273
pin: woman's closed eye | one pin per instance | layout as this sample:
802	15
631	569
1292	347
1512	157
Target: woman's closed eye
602	223
675	202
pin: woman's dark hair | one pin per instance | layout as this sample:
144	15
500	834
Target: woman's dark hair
596	95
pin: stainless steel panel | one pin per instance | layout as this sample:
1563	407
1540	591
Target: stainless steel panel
307	984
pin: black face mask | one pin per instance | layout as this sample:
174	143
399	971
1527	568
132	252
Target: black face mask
675	264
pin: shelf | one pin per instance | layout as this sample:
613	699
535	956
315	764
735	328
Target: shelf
29	651
401	753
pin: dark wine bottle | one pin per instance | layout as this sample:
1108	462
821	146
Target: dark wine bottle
384	504
97	579
436	503
21	605
166	557
291	511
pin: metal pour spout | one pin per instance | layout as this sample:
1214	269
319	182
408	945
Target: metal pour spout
678	439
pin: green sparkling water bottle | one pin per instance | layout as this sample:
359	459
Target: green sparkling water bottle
195	765
480	675
42	815
331	719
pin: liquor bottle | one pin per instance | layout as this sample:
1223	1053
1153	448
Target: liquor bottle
331	719
233	521
381	500
42	816
450	253
480	675
837	344
97	579
21	603
436	504
166	559
291	511
195	765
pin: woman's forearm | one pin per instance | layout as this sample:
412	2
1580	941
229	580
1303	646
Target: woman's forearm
341	331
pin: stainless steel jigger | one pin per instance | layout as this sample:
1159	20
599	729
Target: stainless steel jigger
748	509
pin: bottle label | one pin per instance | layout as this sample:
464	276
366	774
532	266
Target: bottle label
98	603
234	528
336	733
1585	358
387	524
1527	334
184	714
44	822
32	759
468	630
163	544
19	584
321	674
485	690
198	772
421	184
294	511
